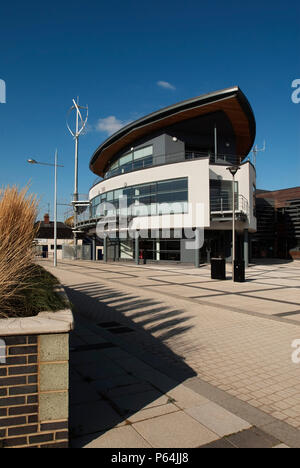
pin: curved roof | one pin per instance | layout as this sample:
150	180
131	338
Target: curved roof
232	101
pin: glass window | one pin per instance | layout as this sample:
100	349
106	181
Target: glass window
96	200
146	189
118	194
143	152
114	165
153	195
126	167
148	161
137	165
172	185
125	159
110	196
172	197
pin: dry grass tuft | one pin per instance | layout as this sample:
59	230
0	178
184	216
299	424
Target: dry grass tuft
18	211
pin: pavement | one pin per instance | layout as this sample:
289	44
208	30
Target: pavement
163	356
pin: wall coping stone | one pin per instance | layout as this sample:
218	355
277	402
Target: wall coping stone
61	321
44	323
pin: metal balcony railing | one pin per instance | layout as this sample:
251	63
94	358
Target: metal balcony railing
218	158
224	205
219	206
155	160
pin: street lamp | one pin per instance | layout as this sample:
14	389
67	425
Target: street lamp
233	170
55	165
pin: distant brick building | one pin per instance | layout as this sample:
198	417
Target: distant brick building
278	224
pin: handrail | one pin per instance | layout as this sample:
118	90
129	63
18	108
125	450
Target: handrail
224	204
181	156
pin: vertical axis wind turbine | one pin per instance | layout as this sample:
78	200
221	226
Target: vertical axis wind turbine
80	125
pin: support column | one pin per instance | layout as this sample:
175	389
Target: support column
197	249
105	249
246	247
137	249
250	248
208	255
94	248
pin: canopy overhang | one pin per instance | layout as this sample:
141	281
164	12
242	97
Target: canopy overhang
231	101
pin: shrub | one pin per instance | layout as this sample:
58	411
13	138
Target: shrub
18	211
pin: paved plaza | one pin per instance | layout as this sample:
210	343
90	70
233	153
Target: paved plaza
163	356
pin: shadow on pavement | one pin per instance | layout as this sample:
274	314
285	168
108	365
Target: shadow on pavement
270	261
117	367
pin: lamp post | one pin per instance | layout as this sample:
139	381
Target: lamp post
233	170
55	165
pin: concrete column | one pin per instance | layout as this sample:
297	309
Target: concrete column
246	247
197	250
105	249
250	248
208	255
137	250
94	248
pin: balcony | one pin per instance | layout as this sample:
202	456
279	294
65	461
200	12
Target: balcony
221	208
213	159
160	159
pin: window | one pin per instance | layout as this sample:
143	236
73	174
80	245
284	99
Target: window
110	196
221	195
132	161
172	185
114	165
143	152
125	159
153	195
171	197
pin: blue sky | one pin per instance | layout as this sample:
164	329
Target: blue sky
113	54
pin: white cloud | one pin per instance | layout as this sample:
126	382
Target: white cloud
165	85
110	124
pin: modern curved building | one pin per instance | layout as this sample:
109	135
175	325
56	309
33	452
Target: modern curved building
178	155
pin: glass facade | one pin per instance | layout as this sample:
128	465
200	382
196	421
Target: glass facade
144	199
144	158
132	161
165	249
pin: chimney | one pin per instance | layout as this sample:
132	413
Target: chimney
46	219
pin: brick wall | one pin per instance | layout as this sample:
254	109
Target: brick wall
34	391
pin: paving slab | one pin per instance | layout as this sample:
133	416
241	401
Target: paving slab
96	371
120	437
217	419
87	357
112	382
93	417
152	412
128	404
186	398
82	392
140	387
175	430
